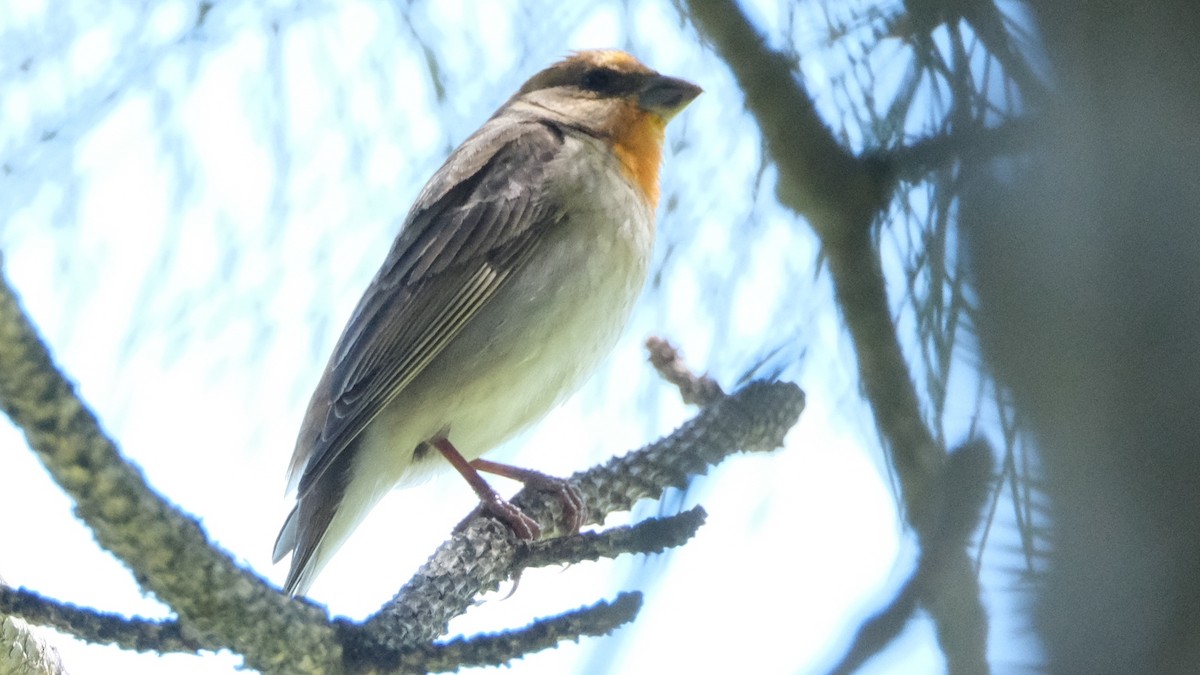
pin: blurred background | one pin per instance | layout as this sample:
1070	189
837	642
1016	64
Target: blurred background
193	197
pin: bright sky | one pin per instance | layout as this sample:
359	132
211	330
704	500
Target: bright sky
194	237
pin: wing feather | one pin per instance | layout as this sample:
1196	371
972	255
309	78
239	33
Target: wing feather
472	227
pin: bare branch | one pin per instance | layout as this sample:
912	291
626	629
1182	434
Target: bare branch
962	490
988	24
841	196
666	359
915	160
818	178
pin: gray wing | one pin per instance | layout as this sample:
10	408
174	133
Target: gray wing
469	231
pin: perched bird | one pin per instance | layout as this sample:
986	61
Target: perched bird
510	280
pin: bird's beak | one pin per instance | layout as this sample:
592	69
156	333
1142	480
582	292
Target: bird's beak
666	96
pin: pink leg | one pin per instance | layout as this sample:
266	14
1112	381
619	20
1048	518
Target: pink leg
521	525
569	497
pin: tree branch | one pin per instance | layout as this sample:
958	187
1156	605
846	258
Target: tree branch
988	24
841	196
652	535
484	553
217	601
818	178
496	649
912	161
141	635
962	489
220	605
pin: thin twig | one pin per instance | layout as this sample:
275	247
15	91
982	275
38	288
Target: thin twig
666	359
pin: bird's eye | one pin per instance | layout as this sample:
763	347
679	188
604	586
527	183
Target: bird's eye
600	80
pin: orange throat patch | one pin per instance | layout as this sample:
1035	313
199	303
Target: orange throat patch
638	144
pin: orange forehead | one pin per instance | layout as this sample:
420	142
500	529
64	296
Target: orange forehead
609	58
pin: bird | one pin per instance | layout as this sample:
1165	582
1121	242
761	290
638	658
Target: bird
510	280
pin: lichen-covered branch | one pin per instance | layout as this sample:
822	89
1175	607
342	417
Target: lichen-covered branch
496	649
217	601
141	635
220	605
483	553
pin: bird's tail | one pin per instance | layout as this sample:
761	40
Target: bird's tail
315	530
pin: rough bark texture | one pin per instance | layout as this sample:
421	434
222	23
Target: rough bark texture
485	553
219	603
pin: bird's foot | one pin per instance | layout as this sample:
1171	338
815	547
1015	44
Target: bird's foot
574	511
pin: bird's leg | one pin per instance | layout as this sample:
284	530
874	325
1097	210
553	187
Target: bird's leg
521	525
569	497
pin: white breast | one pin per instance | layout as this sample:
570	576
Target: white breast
539	338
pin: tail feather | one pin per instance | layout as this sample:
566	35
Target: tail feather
285	543
304	533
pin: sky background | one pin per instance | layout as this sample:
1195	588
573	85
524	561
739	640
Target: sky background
189	215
